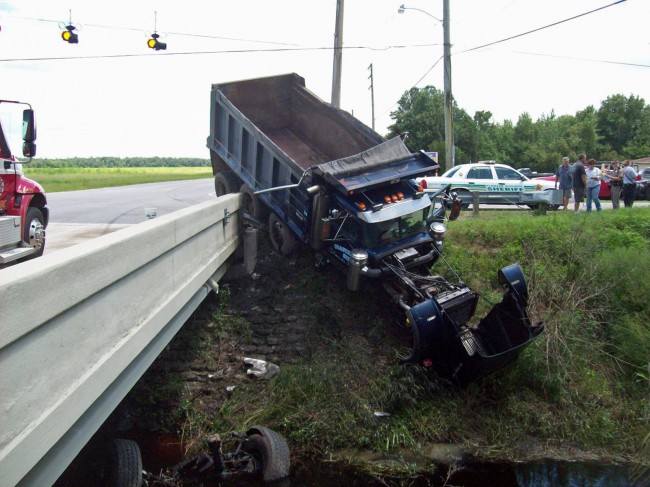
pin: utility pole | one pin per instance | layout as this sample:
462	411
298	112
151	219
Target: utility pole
338	55
449	116
372	95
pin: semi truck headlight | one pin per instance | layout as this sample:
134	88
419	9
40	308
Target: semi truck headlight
438	231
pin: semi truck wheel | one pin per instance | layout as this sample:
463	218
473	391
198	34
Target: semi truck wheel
281	237
34	231
125	464
225	183
270	453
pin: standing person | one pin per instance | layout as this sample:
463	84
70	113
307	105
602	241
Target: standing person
593	184
579	182
563	176
629	184
615	173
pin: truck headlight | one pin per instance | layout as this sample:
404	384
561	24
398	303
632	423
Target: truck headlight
438	231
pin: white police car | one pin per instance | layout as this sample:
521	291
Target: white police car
496	184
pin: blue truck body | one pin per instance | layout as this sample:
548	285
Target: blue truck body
326	180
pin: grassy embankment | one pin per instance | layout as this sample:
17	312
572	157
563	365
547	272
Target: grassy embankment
76	178
583	384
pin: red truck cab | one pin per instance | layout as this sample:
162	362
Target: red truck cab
23	205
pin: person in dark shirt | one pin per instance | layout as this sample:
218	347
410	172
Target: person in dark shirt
563	177
579	182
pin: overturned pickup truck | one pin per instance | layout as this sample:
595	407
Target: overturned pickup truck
327	181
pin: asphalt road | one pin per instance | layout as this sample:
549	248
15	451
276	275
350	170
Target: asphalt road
127	204
76	216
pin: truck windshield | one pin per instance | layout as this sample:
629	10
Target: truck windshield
391	231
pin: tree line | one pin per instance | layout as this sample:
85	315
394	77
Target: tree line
619	129
121	162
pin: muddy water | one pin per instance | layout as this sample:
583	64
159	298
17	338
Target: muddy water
159	453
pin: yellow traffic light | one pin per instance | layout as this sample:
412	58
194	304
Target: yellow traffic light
154	43
69	36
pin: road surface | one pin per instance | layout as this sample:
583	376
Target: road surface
76	216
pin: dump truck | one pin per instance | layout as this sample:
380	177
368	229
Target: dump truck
325	180
23	205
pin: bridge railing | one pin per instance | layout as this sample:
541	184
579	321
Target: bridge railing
80	326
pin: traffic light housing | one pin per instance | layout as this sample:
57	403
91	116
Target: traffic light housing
69	36
154	43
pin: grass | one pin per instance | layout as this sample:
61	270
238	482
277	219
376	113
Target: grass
583	383
73	179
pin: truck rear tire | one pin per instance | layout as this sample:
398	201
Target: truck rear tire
251	202
34	231
281	237
225	183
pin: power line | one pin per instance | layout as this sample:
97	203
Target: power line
541	28
186	34
226	51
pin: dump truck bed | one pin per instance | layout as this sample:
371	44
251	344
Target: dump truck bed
269	130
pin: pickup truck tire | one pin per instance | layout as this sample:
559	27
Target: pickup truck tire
225	183
34	231
281	237
125	467
270	453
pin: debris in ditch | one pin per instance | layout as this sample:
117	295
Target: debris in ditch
381	414
261	368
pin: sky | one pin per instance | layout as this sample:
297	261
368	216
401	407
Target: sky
110	95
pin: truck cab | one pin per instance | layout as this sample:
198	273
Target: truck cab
23	205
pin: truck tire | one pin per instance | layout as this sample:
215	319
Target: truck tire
281	237
251	202
225	183
125	464
34	231
270	453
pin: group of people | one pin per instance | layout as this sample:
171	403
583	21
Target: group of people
582	178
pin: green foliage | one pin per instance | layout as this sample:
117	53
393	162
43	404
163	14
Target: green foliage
76	178
99	162
619	129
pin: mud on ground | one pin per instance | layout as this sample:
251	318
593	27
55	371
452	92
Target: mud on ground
284	313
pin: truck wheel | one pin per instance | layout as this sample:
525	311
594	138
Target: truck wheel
251	202
125	464
225	183
281	237
34	231
270	453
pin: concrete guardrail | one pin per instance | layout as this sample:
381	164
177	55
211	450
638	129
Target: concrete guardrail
80	326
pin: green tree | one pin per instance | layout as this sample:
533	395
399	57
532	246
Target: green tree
619	120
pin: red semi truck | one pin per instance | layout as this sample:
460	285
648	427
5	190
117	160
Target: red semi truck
23	205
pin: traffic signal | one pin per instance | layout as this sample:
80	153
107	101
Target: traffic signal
69	36
154	43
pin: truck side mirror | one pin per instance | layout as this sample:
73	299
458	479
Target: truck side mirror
29	133
29	125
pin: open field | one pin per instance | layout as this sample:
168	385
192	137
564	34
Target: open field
73	179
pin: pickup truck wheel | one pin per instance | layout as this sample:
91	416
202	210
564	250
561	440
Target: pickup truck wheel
34	231
125	467
281	237
225	183
270	453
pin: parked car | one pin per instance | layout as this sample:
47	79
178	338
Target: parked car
496	184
